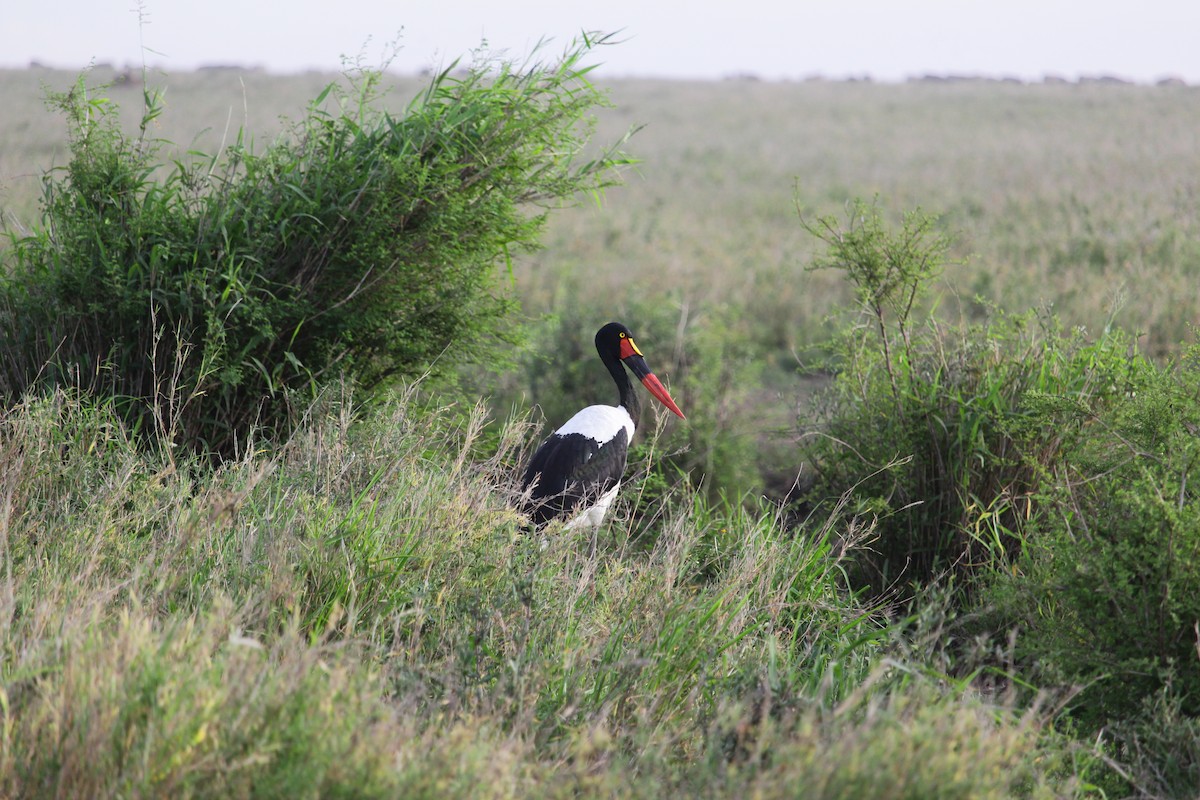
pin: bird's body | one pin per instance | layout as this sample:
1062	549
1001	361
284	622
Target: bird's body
580	466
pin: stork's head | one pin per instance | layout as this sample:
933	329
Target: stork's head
615	340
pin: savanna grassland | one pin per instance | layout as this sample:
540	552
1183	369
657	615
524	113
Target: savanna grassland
930	530
1074	198
1076	195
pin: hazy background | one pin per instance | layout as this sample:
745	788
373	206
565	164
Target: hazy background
887	40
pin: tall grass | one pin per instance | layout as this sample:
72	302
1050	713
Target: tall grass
359	614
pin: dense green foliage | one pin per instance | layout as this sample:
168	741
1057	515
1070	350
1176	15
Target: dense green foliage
1041	477
929	424
211	295
1107	592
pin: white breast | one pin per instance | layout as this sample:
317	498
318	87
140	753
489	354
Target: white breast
600	423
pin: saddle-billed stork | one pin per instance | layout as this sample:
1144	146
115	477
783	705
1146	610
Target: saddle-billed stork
582	463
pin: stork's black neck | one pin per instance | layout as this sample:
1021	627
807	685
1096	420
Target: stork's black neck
629	396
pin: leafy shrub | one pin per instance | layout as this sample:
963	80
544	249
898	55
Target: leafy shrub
365	244
1107	593
1050	476
921	424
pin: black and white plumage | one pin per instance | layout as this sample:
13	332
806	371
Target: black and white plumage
578	469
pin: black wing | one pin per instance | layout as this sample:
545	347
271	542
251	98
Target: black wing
572	470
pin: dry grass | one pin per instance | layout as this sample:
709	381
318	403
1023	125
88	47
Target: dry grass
357	615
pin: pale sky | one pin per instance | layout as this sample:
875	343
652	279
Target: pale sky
1141	40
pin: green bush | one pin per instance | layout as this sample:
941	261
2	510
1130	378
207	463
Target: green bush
205	294
921	426
1107	594
1046	477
